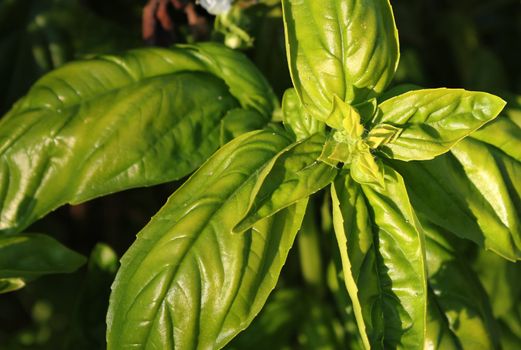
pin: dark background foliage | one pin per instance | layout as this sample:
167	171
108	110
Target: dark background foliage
474	44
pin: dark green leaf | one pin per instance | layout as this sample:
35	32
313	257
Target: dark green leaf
502	281
474	191
276	325
337	47
438	335
383	259
433	120
188	282
25	257
87	325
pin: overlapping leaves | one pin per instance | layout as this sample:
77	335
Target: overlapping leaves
116	122
473	191
187	259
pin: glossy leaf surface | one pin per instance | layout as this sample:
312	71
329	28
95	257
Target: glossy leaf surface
27	256
337	47
383	258
433	120
188	282
295	175
99	126
473	192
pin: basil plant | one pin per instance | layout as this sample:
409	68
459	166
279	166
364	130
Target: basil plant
404	176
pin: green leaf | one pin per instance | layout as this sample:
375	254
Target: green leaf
383	259
502	281
25	257
458	293
276	325
296	119
338	47
433	120
320	328
188	282
116	122
473	191
295	175
87	326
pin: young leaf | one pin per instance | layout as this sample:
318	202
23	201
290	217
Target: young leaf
473	191
189	282
366	170
338	47
25	257
383	259
99	126
433	120
295	175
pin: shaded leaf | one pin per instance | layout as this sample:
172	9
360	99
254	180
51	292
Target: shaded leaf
25	257
276	325
458	293
87	324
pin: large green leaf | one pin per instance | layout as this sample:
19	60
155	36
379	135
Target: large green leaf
339	47
116	122
501	279
458	293
189	282
383	259
25	257
473	191
295	175
433	120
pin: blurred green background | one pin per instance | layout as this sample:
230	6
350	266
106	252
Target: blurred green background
474	44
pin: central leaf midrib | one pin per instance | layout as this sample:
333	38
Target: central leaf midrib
211	216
